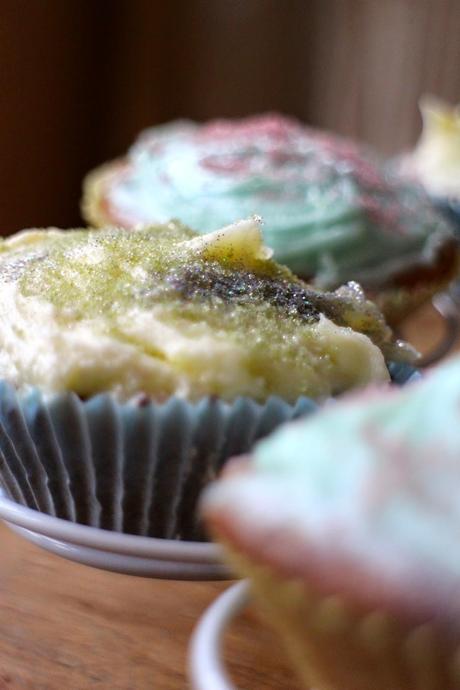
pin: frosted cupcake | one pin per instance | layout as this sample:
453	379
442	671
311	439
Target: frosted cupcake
348	525
137	361
435	161
332	211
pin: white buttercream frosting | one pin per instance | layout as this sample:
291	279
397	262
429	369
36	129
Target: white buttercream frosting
162	311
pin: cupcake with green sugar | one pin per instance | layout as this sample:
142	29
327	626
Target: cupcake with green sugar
173	350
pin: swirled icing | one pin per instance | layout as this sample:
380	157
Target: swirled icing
331	210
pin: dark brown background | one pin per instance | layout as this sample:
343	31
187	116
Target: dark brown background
79	78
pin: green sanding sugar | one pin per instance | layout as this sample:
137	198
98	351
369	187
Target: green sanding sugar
163	311
223	285
104	272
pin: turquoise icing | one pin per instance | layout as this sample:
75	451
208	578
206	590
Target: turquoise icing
392	466
330	210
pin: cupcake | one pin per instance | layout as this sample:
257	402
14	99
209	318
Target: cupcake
136	362
435	161
333	211
347	524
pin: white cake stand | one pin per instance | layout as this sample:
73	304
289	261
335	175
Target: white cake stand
206	669
121	553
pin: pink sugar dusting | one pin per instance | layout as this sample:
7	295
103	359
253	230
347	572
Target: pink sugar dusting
271	125
313	156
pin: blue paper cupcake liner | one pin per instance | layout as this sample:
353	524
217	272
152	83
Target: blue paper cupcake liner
121	466
129	467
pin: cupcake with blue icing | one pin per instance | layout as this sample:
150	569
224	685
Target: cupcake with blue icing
347	524
333	212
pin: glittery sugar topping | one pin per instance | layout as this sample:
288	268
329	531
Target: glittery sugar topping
240	287
225	279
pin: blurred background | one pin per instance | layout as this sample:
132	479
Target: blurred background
80	78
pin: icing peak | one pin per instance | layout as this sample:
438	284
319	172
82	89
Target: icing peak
239	244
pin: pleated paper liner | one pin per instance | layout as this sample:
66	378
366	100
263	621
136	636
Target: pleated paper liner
126	467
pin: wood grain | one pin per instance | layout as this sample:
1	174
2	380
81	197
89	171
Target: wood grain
63	625
67	626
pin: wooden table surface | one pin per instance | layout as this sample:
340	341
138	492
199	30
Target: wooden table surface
65	626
